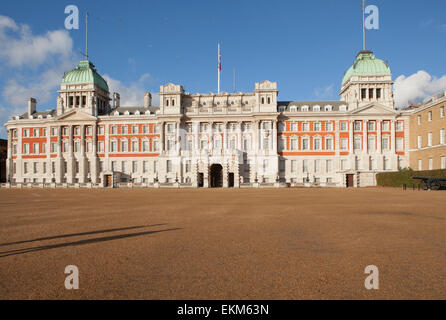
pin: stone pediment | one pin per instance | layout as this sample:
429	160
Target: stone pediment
374	109
76	115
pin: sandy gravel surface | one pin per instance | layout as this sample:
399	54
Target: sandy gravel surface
222	244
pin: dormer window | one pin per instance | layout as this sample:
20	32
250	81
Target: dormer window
305	109
328	108
343	108
293	109
316	108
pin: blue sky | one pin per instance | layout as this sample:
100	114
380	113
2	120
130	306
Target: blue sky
306	46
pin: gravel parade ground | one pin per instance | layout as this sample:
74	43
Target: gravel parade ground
222	244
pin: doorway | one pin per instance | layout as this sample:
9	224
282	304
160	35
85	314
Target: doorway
216	176
200	180
349	180
108	181
231	180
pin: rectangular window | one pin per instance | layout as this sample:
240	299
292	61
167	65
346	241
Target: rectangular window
328	126
294	127
294	144
386	126
124	130
25	167
429	116
357	125
378	93
371	143
443	162
305	166
145	166
344	165
305	144
419	143
135	146
134	166
34	167
370	93
442	112
429	139
399	126
317	165
169	166
357	143
399	144
305	126
386	163
145	146
188	166
135	129
363	94
420	165
317	144
101	147
344	144
329	144
145	129
371	125
114	166
419	120
442	136
344	126
385	143
293	165
317	126
328	166
431	164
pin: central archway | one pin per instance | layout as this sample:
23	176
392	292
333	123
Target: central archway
216	176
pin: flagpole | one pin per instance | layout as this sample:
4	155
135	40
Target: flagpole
363	25
219	68
86	37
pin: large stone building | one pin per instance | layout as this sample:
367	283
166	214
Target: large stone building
427	137
211	140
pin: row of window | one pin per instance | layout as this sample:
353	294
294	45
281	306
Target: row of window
326	166
430	116
431	164
430	139
371	93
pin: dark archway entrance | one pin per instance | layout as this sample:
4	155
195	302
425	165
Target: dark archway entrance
349	181
216	176
231	180
200	180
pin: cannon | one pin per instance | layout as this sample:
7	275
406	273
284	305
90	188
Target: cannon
431	183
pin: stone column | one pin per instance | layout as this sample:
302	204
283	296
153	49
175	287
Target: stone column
177	137
9	165
82	162
225	137
162	138
379	137
94	158
70	171
275	137
59	174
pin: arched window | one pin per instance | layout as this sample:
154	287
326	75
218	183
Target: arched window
167	102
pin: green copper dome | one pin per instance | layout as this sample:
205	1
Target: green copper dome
366	65
85	73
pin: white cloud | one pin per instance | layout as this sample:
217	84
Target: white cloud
21	48
132	95
417	87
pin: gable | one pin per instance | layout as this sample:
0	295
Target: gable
374	108
76	115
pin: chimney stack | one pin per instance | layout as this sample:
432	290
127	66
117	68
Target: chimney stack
116	100
147	100
31	107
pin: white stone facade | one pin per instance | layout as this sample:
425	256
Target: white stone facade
210	140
